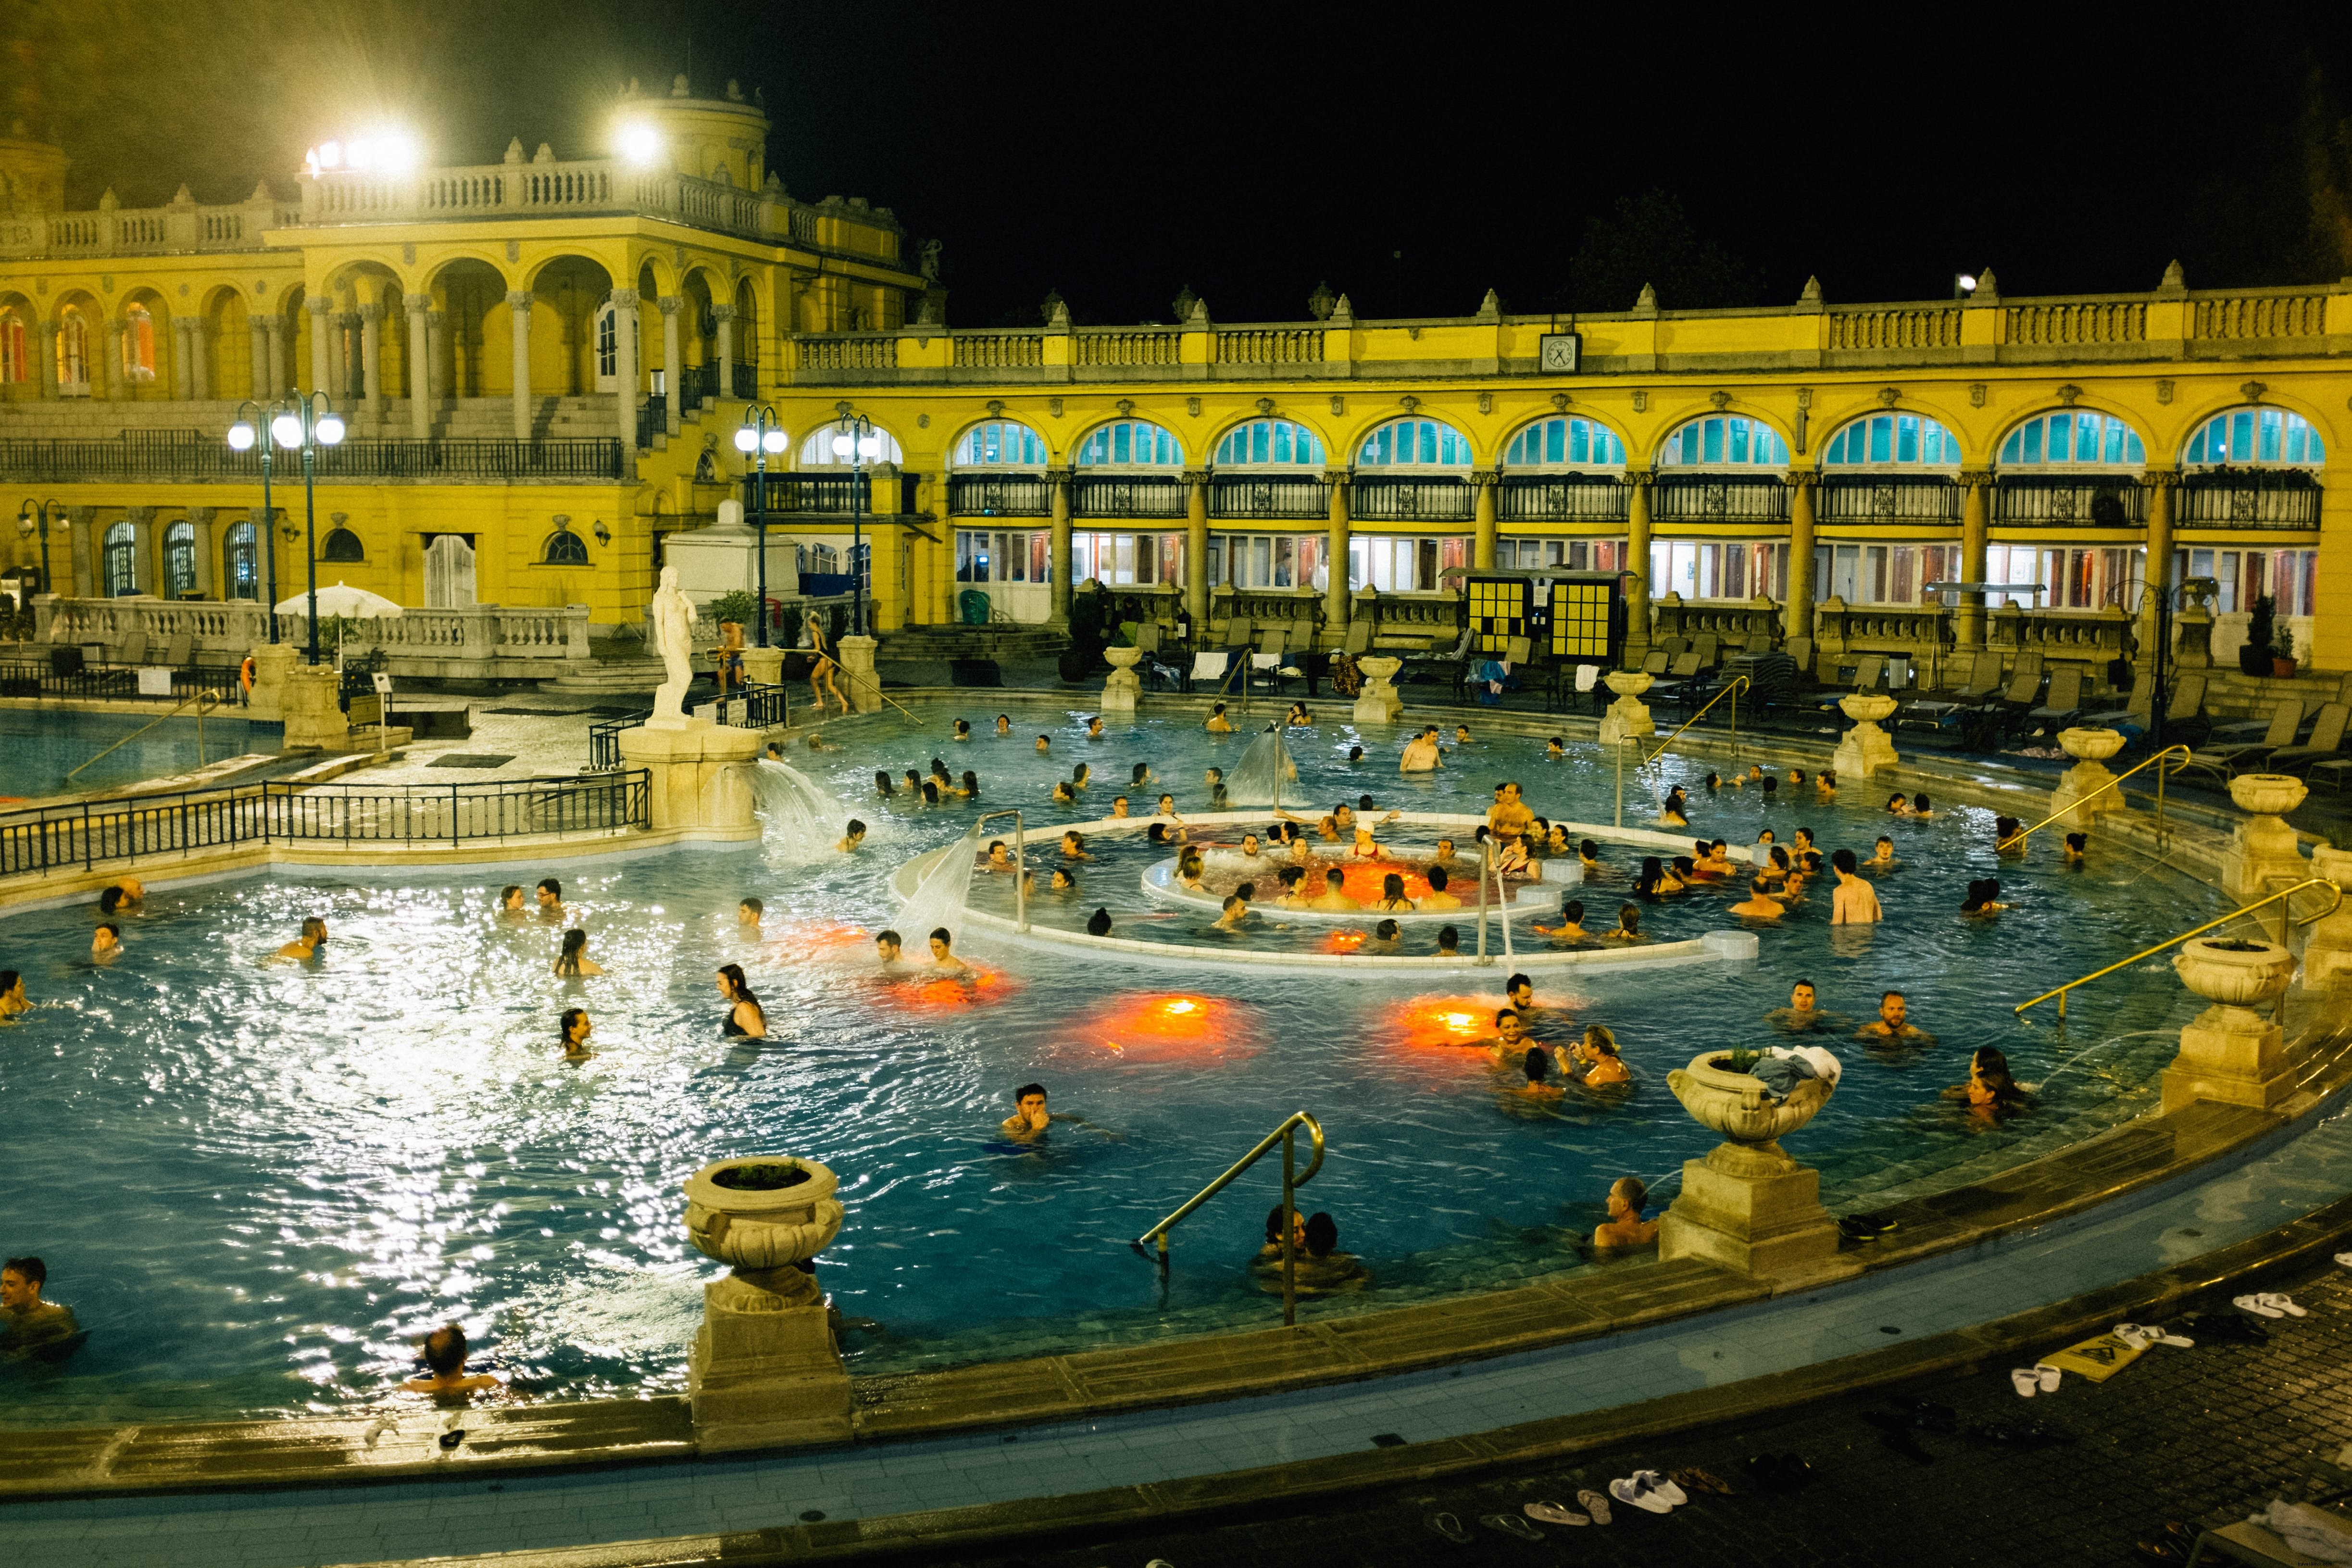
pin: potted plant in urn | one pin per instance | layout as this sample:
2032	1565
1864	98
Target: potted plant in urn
2283	651
2261	631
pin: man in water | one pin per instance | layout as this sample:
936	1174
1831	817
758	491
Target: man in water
1626	1227
1118	805
1802	1015
445	1361
1251	847
747	919
887	948
1030	1119
27	1323
1444	855
1855	902
1894	1023
1461	734
943	957
1421	754
304	948
1509	1041
1218	723
1449	942
106	943
1884	856
1439	899
1508	818
1759	904
1074	846
1335	893
1000	859
550	899
1571	929
851	839
1384	940
1044	746
1094	728
1004	723
1236	911
1521	990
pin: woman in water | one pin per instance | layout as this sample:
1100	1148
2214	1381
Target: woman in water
1081	776
1218	799
510	904
1675	813
744	1016
930	791
574	961
1648	882
962	730
1898	805
1984	900
1298	716
1392	900
1062	795
1597	1060
1139	776
1989	1091
970	788
1556	842
1188	871
1629	925
882	784
12	994
914	782
1921	807
572	1031
1713	783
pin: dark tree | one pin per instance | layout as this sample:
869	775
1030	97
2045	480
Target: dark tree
1650	239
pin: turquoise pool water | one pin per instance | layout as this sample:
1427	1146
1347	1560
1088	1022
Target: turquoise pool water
41	749
260	1184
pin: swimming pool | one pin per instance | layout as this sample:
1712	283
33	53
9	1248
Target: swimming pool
260	1184
43	746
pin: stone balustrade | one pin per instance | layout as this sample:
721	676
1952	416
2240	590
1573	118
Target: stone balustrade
2092	634
491	641
1730	621
1841	627
181	225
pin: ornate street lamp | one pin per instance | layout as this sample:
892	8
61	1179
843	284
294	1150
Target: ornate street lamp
759	436
32	516
300	422
856	440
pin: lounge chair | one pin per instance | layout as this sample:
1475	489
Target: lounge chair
1588	683
2326	740
1709	647
1210	668
1267	662
2065	703
1867	671
2223	762
1799	649
1938	707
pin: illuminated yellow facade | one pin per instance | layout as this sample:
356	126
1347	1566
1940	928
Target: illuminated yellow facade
1802	471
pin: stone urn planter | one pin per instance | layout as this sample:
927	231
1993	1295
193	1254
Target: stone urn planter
1628	716
1120	691
2083	795
2231	1053
1865	748
2265	855
765	1368
1628	683
2233	971
2327	954
1748	1206
1379	703
2091	745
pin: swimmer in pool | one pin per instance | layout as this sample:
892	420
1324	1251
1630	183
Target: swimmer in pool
1521	991
1571	929
1536	1065
1392	900
550	899
1439	897
1983	901
744	1017
1000	859
1894	1023
1717	861
304	948
1044	746
106	943
1063	882
444	1363
1073	845
1556	749
1168	808
1289	879
1004	723
510	904
1883	854
889	949
943	957
28	1325
573	962
1384	940
962	731
1855	902
1032	1120
2076	842
1421	754
747	919
851	839
1094	728
1803	1014
1215	779
1629	926
1218	723
1118	805
1236	911
12	1003
1335	897
1759	904
572	1031
1597	1060
1625	1226
1509	1041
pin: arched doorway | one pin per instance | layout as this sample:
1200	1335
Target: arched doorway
450	572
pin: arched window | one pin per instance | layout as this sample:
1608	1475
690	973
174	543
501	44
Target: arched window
2072	438
565	548
179	559
1565	443
608	347
1000	444
73	349
138	343
818	451
341	545
1411	442
1270	443
1893	441
1724	441
14	365
240	564
121	560
2266	437
1131	444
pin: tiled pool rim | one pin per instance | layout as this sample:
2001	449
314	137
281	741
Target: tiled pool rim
56	1463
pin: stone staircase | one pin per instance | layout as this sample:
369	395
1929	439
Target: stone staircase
626	675
997	641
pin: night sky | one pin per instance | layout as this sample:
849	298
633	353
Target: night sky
1117	154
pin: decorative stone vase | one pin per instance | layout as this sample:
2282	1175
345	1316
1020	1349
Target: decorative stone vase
2083	795
766	1367
1865	748
1628	716
1124	685
2327	954
2264	854
858	677
1748	1206
1379	703
2231	1054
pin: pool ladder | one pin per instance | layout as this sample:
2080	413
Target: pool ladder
2286	913
199	698
1292	1180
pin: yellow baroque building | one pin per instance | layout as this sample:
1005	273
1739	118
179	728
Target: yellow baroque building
543	364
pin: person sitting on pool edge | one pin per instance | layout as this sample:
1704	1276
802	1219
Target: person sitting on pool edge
1571	931
1334	897
1894	1023
1855	902
1759	904
1625	1226
444	1361
28	1325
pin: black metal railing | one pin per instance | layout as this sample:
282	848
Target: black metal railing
831	493
653	419
2085	500
47	839
605	739
697	384
1887	498
1000	495
746	380
1268	495
20	677
1414	500
193	457
1126	495
2280	497
1719	497
1562	497
746	707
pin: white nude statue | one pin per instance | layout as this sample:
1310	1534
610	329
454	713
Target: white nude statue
673	618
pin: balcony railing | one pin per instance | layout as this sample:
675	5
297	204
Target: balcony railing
653	419
2087	501
1414	500
1126	495
418	641
1719	497
1887	498
698	385
1562	497
132	231
2282	498
1000	495
746	377
831	493
196	457
1268	495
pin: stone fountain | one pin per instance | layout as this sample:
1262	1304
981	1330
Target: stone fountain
1748	1206
1120	691
766	1368
2264	854
1379	703
2231	1053
1628	716
2082	795
1865	748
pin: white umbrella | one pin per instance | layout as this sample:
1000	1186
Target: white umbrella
343	600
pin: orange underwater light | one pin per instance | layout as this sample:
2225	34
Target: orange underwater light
1165	1026
1437	1022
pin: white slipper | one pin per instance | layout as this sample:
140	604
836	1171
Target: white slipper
2177	1342
2132	1334
2254	1304
2025	1380
2344	1258
1676	1497
2274	1299
2048	1375
1555	1513
1641	1494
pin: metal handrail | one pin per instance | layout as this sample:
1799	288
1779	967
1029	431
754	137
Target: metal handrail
2284	893
1731	689
2114	783
1020	862
1290	1184
198	699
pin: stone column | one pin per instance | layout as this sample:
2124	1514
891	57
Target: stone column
2327	953
1120	691
272	662
2264	854
200	359
1379	703
1637	584
372	357
307	701
1196	552
420	361
142	520
1976	506
1629	717
1059	482
1339	601
182	360
1798	614
519	308
81	529
2083	795
44	347
117	386
200	523
258	329
625	367
697	784
724	315
1482	546
2162	485
322	343
672	360
436	348
276	325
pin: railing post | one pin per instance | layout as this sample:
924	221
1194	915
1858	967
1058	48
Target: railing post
1019	876
453	816
1487	863
1290	1234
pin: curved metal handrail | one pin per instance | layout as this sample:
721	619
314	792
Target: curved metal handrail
1731	690
1314	1130
172	712
2114	783
2284	893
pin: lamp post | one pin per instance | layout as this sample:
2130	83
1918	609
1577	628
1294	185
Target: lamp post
300	422
857	442
32	516
760	436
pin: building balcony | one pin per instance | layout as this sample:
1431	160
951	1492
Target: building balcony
1887	498
1126	495
2271	499
1562	497
831	494
193	457
1447	500
1242	497
1719	497
2077	500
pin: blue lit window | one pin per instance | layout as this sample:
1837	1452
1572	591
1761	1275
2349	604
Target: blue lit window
1131	444
2263	436
1893	441
1415	444
1270	443
2073	438
1001	444
1724	441
1567	443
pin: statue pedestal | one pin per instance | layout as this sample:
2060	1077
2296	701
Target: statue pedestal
2327	953
2264	855
1379	703
696	780
270	663
858	677
1865	749
2231	1054
1628	716
2083	795
1120	691
764	665
1752	1209
764	1370
314	721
